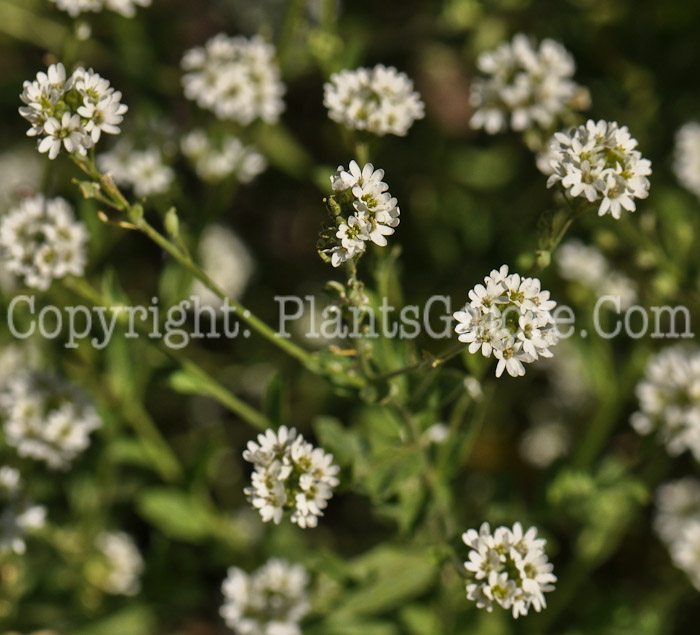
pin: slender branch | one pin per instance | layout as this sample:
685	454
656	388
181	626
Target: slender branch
433	361
309	360
213	388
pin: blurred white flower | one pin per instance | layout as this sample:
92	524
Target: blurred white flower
122	563
685	551
438	433
236	78
677	523
370	212
228	157
686	160
10	482
41	241
510	317
509	568
127	8
20	176
290	475
599	162
677	503
15	522
380	100
525	86
70	113
587	264
544	442
142	170
19	515
669	400
226	259
46	419
269	601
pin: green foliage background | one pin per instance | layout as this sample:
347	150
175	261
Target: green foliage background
167	467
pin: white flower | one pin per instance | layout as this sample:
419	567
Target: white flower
509	317
229	157
70	113
269	601
525	86
236	78
15	522
669	400
10	482
142	170
544	442
677	504
127	8
587	264
686	159
372	213
380	100
290	474
40	241
677	523
122	561
224	257
509	568
46	419
685	551
599	162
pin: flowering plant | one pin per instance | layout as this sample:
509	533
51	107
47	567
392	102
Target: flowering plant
209	425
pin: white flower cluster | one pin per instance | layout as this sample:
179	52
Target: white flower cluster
669	400
122	562
368	213
228	157
508	567
142	170
127	8
70	113
290	474
525	86
686	160
587	264
236	78
41	241
18	515
46	419
269	601
224	257
677	522
598	162
380	100
511	317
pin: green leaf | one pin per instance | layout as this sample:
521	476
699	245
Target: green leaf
335	438
420	620
335	627
186	383
134	620
176	514
388	577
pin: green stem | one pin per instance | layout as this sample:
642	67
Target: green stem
543	257
362	153
244	314
291	20
431	362
213	388
120	202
